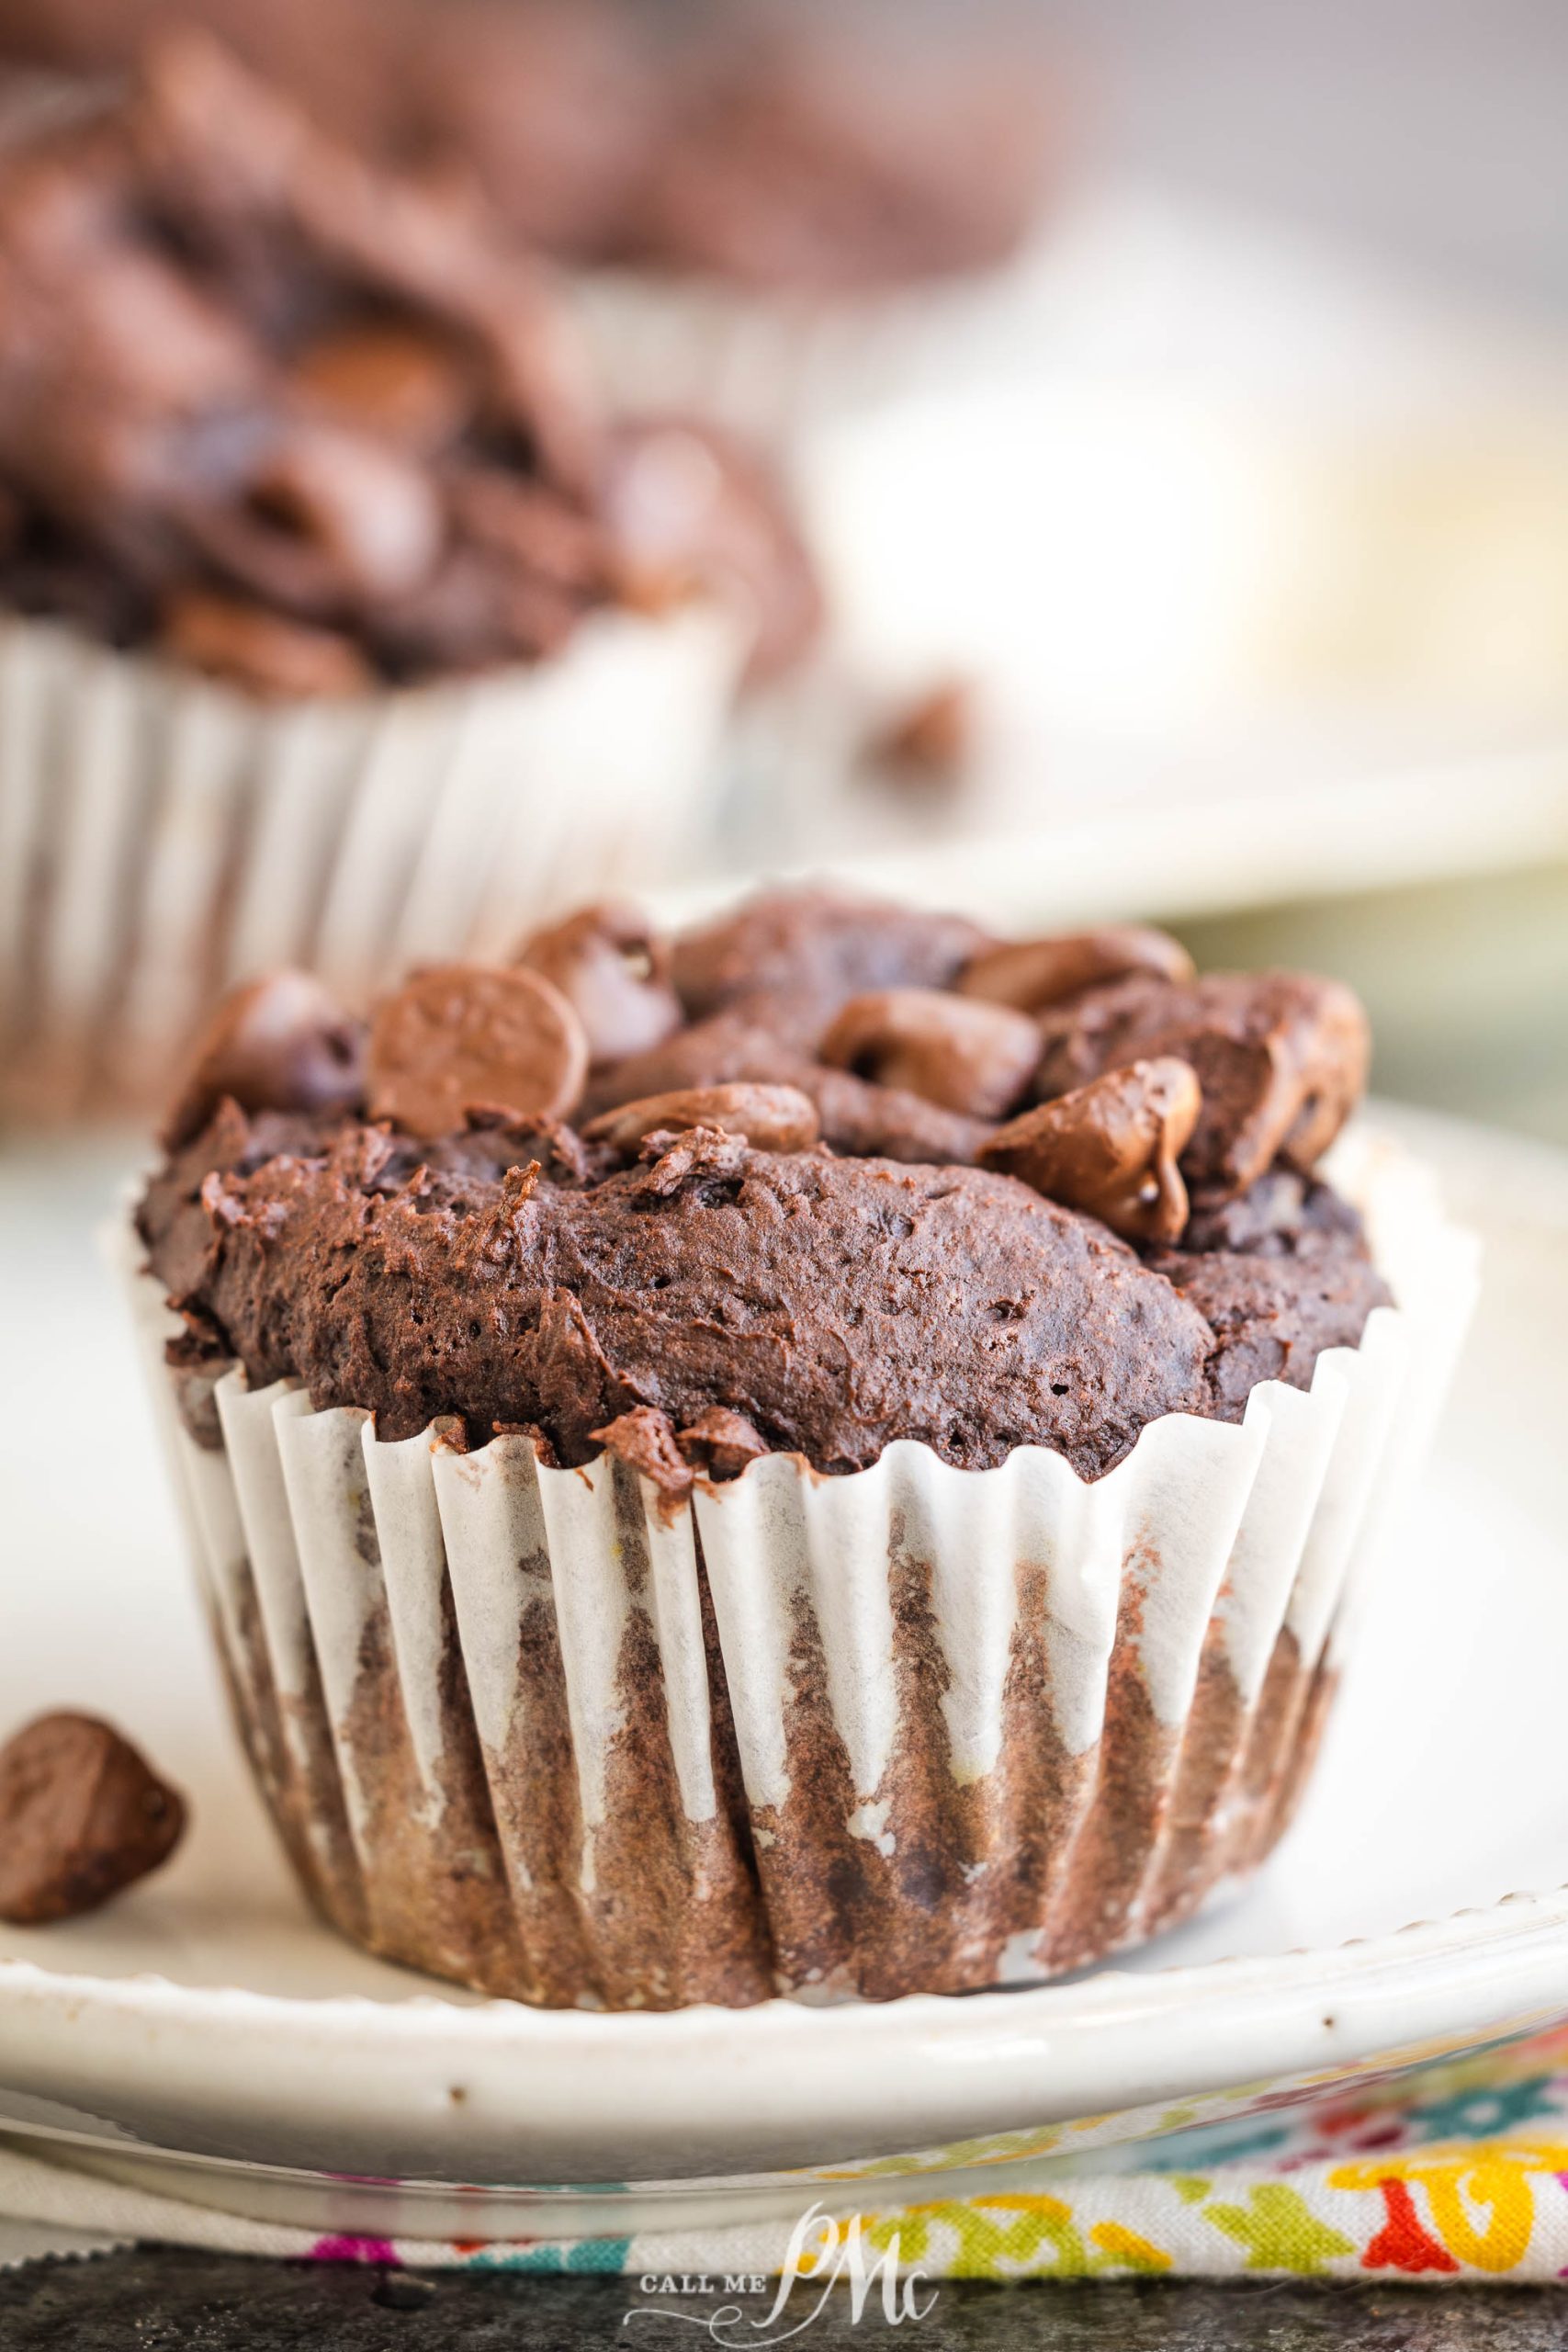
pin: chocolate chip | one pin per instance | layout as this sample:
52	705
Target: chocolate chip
460	1035
82	1815
1109	1149
1281	1059
953	1050
1032	973
277	1044
769	1118
615	972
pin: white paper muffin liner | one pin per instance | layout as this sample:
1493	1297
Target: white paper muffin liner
913	1729
161	837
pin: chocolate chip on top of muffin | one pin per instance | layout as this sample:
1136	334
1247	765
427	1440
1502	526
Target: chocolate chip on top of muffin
727	1223
312	426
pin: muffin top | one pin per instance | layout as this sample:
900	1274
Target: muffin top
816	1176
312	426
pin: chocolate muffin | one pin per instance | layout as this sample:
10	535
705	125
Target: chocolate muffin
311	427
861	1470
332	596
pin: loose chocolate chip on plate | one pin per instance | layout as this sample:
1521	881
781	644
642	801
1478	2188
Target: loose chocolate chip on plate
1032	973
460	1034
956	1051
82	1815
277	1044
1109	1149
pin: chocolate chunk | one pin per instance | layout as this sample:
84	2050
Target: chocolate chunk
1109	1149
243	645
474	611
82	1815
769	1118
225	152
1033	973
462	1035
615	972
277	1044
1281	1056
967	1056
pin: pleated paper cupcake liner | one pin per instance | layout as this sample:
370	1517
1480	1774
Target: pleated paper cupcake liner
914	1729
162	836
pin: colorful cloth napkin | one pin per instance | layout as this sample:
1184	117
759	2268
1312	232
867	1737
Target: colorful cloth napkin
1458	2172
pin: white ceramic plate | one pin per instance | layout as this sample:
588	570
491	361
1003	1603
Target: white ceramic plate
205	2032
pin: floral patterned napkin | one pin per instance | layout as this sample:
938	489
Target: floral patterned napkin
1460	2171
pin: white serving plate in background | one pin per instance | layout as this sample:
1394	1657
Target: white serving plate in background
1210	515
206	2035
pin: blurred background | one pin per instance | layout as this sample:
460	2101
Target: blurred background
1419	147
1175	401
